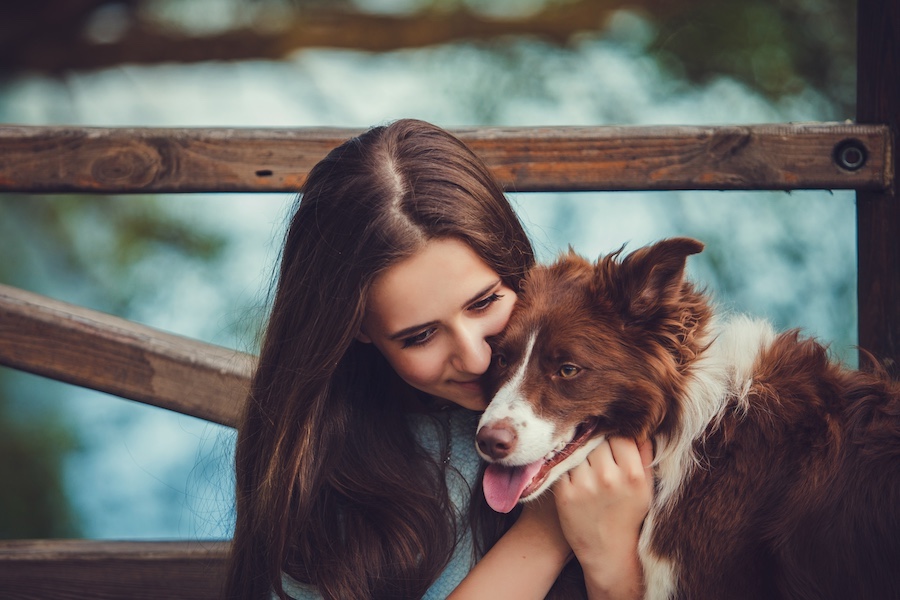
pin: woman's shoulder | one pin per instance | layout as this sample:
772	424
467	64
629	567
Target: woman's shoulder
296	590
447	434
461	421
449	438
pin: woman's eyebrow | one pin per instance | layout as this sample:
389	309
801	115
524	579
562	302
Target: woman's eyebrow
408	331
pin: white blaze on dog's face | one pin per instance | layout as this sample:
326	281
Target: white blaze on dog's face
542	450
584	355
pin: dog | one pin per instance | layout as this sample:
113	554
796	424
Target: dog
776	470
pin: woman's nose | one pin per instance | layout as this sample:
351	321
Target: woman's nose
473	354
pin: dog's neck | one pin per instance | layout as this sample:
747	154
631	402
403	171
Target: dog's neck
718	379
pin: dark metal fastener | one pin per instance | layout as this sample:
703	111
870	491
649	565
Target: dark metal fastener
850	154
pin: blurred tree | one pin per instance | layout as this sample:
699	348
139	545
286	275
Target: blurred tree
95	244
32	501
90	245
773	46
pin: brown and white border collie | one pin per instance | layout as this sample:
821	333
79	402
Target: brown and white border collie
777	471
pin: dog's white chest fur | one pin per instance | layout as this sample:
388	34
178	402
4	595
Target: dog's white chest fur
721	375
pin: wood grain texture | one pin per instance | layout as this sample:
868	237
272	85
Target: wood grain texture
105	570
102	352
878	211
141	160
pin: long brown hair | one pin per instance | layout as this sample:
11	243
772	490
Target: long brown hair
331	485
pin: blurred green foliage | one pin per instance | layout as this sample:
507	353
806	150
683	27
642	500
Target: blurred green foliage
776	47
89	247
33	501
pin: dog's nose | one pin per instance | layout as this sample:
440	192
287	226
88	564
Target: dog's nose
496	440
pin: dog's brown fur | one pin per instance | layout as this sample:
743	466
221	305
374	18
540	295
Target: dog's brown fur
789	489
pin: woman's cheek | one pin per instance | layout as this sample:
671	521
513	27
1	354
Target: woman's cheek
421	368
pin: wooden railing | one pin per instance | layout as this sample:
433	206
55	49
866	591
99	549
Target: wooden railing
106	353
773	157
99	351
103	352
101	570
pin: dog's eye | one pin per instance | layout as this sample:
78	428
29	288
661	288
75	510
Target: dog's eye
500	361
568	371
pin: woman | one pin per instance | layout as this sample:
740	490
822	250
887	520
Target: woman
353	481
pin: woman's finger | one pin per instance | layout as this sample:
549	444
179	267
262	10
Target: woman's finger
627	455
646	450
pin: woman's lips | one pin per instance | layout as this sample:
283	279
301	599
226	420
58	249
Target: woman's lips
473	385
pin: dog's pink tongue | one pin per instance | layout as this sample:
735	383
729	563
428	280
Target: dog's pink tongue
503	485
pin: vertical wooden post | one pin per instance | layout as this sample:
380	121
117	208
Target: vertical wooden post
878	213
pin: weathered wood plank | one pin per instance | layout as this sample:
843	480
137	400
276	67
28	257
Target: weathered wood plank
143	160
878	211
102	352
104	570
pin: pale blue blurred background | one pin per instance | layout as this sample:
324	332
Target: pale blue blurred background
135	472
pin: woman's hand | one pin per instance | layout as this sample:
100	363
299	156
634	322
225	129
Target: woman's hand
595	511
601	505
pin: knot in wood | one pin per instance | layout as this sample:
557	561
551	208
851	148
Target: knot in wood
135	165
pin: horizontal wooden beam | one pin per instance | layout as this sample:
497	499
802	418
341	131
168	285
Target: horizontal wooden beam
105	570
102	352
145	160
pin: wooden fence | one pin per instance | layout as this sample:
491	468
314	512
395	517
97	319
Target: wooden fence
107	353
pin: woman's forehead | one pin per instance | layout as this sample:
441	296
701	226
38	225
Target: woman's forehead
439	279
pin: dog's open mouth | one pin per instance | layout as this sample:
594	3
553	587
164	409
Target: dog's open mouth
504	486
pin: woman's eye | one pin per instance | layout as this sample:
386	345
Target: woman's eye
485	302
419	339
568	371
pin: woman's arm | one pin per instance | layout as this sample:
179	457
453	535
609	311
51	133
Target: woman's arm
595	512
602	504
523	563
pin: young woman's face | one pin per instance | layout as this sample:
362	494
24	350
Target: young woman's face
430	316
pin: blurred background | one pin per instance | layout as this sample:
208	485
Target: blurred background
76	463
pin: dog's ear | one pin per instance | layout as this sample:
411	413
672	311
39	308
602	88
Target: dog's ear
653	275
